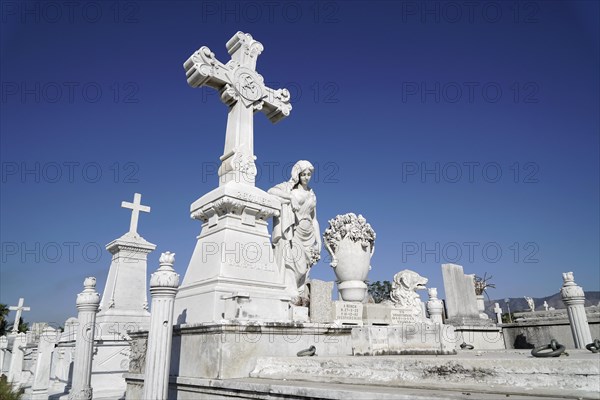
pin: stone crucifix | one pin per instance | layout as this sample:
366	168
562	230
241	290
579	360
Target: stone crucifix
135	208
244	91
19	309
498	312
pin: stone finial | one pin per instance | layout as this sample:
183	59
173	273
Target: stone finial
435	307
568	277
167	258
432	292
89	296
89	283
570	290
165	275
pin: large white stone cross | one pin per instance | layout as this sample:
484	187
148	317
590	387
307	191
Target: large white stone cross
135	207
244	91
19	309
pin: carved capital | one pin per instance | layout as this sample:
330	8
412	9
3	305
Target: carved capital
89	296
570	291
165	276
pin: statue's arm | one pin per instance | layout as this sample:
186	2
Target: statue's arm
334	260
281	192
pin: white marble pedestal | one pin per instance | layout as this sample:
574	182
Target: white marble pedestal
232	274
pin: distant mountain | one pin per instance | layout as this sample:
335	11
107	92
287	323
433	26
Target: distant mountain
520	304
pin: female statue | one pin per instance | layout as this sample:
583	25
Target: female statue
296	236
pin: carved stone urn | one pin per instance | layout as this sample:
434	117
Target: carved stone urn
350	241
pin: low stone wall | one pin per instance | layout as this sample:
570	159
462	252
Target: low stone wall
540	327
229	350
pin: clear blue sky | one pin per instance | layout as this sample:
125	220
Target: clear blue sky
462	133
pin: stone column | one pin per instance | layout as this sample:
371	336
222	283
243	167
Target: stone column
3	349
87	307
435	307
574	298
163	288
41	377
16	360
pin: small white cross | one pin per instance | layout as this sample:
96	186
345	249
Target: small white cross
135	207
498	312
19	309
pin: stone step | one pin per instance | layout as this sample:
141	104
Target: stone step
278	389
508	372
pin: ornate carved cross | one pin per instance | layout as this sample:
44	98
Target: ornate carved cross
244	91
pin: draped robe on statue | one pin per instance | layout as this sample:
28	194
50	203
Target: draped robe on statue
295	237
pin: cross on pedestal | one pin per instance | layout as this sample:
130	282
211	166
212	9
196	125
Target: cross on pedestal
244	91
19	309
135	207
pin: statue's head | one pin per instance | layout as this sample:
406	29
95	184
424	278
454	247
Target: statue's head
298	168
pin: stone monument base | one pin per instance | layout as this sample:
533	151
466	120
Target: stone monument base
233	273
480	337
230	349
405	338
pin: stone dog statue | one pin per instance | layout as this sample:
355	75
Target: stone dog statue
404	289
